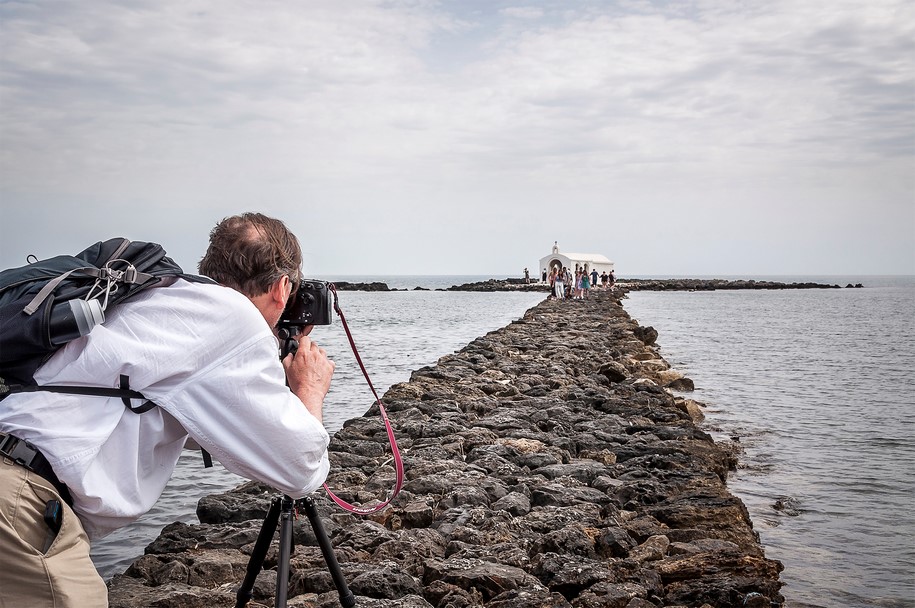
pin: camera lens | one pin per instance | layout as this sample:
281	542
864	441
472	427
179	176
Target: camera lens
74	318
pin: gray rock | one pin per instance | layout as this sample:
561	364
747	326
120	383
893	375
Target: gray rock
489	578
613	371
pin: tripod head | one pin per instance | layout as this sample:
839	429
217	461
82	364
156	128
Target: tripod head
288	343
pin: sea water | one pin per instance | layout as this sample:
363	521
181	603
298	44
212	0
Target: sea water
817	386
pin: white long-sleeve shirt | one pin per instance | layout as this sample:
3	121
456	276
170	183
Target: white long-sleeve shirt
207	358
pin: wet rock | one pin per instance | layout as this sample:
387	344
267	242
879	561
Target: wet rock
692	408
702	545
681	384
372	286
490	579
648	335
508	284
613	542
385	580
610	595
653	549
514	503
624	285
613	371
127	592
248	501
409	601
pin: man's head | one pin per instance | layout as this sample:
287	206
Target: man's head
258	256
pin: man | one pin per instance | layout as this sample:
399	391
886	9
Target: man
206	355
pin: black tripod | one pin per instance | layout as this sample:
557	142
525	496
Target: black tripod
282	512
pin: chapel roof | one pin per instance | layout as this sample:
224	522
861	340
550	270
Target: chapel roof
594	258
586	257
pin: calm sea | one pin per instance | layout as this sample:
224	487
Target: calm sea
818	387
816	384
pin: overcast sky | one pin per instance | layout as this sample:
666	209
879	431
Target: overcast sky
465	137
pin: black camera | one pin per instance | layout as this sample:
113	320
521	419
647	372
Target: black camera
310	305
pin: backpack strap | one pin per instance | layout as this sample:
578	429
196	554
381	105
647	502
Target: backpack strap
125	243
91	391
125	386
51	285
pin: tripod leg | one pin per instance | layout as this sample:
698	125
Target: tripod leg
347	599
256	562
287	514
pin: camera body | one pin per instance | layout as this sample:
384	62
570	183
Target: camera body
310	305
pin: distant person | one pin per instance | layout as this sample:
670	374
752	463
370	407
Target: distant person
527	276
594	277
612	278
585	284
604	278
544	275
560	282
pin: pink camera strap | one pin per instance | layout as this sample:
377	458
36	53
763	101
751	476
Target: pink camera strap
398	461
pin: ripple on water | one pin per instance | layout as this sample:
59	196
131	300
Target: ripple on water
816	384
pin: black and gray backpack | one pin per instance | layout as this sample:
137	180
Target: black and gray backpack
47	303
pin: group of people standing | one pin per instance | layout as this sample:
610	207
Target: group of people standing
566	285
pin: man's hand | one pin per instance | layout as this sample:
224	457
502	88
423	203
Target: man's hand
309	373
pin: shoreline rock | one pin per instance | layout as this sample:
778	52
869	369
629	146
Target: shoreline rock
507	284
373	286
715	284
648	285
510	284
549	463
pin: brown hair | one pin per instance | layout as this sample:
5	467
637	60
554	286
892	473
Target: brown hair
250	252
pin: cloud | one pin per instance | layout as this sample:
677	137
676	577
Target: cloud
406	112
522	12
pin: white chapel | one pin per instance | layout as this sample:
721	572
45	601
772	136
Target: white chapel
590	261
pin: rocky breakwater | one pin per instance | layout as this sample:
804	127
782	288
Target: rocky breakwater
715	284
549	464
373	286
649	285
501	285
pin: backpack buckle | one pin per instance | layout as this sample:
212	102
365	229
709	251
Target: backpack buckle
128	275
19	451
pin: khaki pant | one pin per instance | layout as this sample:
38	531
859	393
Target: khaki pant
62	576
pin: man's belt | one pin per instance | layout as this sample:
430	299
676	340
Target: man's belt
24	453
